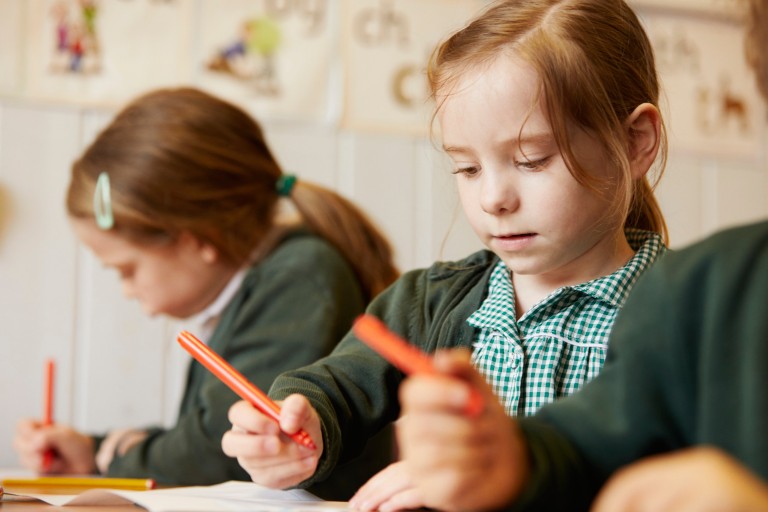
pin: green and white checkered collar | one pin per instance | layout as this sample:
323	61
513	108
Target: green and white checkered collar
498	309
614	288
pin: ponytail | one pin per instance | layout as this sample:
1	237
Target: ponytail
645	212
350	231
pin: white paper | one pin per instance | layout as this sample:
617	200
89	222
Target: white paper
227	497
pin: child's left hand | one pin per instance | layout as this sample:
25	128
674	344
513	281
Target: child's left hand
389	489
701	479
456	460
117	442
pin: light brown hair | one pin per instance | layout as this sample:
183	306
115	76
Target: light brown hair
595	64
756	43
181	160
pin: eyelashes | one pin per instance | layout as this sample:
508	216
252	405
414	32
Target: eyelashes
524	165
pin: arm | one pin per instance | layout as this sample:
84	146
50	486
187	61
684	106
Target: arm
354	390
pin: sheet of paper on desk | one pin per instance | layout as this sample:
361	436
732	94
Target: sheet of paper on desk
226	497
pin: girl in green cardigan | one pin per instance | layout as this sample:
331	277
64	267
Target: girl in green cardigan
552	128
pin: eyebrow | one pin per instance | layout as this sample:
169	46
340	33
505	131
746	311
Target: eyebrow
535	138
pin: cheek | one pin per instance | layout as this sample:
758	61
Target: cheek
469	200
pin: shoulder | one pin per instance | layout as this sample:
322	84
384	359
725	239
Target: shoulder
447	273
301	247
718	259
425	298
711	286
303	255
303	261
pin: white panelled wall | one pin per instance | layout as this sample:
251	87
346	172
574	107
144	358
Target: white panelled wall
118	368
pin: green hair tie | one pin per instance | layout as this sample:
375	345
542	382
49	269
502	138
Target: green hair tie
102	203
285	184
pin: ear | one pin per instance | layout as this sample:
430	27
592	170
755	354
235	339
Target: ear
643	128
207	252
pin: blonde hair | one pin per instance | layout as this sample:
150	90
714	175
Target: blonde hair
595	64
181	160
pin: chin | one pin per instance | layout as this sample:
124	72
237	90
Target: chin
522	269
150	311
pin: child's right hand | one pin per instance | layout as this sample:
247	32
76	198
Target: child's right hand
73	451
456	460
263	449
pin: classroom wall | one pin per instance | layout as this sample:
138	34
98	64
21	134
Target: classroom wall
119	368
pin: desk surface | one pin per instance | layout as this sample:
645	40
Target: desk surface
39	506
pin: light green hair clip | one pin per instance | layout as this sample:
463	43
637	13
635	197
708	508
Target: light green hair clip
102	203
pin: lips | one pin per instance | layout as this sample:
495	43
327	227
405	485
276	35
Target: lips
513	242
514	236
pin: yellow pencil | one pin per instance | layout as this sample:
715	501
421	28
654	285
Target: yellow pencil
70	481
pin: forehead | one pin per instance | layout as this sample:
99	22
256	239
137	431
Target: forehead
109	247
504	93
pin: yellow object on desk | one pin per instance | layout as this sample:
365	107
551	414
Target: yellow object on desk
85	482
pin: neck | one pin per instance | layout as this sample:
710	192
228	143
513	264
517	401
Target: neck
604	258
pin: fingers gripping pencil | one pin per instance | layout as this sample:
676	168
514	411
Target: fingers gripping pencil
237	382
402	354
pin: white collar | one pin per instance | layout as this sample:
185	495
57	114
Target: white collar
205	321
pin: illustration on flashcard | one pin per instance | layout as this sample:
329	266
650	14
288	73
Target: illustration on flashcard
76	39
714	106
722	109
250	56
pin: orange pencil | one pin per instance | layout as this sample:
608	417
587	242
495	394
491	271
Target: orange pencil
237	382
402	354
50	370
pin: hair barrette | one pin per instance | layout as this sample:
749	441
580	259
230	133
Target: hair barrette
102	203
285	184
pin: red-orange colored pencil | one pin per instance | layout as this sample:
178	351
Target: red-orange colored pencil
408	358
50	373
237	382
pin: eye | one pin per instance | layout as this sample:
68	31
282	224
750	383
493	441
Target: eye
532	165
467	171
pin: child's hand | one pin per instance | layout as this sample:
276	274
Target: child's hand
117	442
73	451
459	461
390	489
700	479
269	456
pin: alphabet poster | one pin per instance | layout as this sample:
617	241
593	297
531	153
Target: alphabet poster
274	57
712	103
387	44
105	51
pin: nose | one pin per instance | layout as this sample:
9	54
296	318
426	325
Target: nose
498	193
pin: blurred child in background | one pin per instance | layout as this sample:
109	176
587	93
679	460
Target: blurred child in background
182	196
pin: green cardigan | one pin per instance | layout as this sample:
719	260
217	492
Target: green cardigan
355	390
291	309
687	365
